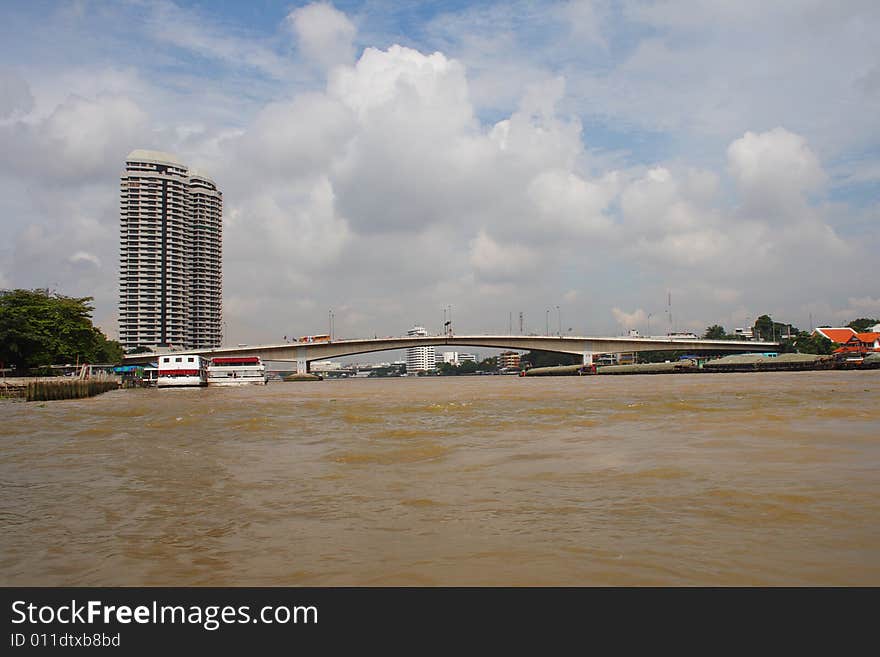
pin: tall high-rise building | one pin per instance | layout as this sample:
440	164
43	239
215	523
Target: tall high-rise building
420	359
170	276
206	271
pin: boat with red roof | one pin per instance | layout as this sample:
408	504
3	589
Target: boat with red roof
181	371
236	371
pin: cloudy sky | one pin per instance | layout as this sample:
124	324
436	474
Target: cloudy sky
389	159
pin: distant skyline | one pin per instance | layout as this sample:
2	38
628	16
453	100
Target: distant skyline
386	160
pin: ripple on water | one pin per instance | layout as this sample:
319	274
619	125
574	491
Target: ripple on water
361	418
420	503
753	508
381	456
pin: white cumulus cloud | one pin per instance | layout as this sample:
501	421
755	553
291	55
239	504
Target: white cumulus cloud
774	169
325	35
15	94
498	262
631	320
83	256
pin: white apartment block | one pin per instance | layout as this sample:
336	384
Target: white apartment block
206	272
325	366
170	274
420	359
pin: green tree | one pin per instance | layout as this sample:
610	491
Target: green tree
549	359
661	356
763	328
862	324
447	369
807	343
467	367
110	351
766	329
715	332
38	327
489	364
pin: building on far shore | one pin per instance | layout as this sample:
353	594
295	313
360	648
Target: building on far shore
420	359
325	366
206	269
851	341
455	358
170	274
617	358
450	357
509	360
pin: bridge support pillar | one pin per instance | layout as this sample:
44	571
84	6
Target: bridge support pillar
302	365
588	358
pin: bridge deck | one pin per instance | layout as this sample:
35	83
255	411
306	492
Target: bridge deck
304	352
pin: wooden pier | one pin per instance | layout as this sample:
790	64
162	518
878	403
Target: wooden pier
54	388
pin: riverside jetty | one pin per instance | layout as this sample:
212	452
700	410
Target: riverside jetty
54	388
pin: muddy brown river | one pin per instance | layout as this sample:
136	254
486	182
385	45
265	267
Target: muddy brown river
703	479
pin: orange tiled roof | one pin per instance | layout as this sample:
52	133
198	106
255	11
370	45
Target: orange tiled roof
839	335
868	337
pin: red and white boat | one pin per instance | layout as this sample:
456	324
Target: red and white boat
237	371
181	371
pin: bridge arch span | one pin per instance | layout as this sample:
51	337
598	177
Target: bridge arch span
305	352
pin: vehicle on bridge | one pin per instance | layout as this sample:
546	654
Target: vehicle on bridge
182	371
237	371
315	338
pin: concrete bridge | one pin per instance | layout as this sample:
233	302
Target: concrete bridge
302	353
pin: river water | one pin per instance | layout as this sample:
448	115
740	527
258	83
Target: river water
703	479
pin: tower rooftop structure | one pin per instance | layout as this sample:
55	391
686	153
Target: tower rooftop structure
143	155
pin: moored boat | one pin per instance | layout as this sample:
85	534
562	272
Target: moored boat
185	370
237	371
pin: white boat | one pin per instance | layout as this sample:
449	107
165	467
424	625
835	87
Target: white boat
181	371
237	371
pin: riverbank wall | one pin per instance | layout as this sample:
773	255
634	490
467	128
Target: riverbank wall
54	388
735	363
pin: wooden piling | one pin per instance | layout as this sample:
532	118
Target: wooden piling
67	389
